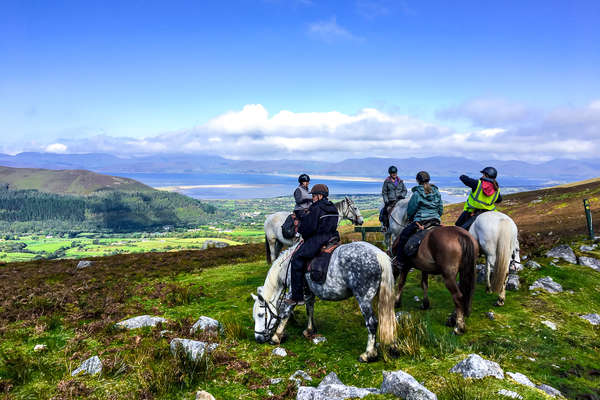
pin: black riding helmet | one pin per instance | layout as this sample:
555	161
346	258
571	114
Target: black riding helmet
392	170
422	177
490	171
303	178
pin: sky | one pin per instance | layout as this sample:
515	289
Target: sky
256	79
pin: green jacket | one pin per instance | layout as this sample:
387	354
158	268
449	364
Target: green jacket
424	206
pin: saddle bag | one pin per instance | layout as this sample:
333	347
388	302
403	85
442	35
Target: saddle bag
290	227
319	265
412	245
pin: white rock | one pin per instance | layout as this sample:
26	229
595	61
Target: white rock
403	385
91	366
515	268
140	322
163	333
474	366
202	395
417	299
550	324
585	247
275	381
546	283
593	319
512	283
299	376
206	324
84	264
533	265
40	347
319	339
531	359
279	351
193	348
509	393
563	251
490	315
593	263
331	379
333	392
550	390
520	378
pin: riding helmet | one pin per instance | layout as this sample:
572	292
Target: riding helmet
490	171
320	188
303	178
422	177
392	170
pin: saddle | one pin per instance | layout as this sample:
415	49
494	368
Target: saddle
318	266
474	214
412	245
290	226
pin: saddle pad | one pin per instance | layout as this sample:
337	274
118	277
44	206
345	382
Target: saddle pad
412	245
319	265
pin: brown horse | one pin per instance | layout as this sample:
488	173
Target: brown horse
446	251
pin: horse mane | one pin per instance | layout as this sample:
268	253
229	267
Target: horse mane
272	280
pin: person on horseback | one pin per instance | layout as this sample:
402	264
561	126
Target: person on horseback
318	225
393	190
425	209
485	194
302	196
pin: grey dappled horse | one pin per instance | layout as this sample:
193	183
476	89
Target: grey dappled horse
397	221
497	236
274	240
356	269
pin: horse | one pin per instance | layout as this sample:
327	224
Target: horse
446	251
356	269
274	240
497	236
397	222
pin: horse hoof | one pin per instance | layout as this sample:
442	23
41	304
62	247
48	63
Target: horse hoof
308	333
365	358
394	352
499	303
458	331
275	340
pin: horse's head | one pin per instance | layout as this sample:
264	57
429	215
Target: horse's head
352	212
265	317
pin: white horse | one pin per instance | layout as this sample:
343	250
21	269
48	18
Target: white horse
274	240
398	221
497	236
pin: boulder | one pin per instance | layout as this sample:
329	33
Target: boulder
593	319
512	283
279	351
84	264
91	366
476	367
550	390
533	265
194	349
140	322
403	385
520	378
333	392
202	395
591	262
206	324
546	283
509	393
550	324
563	251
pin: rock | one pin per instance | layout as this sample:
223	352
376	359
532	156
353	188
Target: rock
550	324
509	393
91	366
550	390
563	251
515	268
194	349
520	378
480	269
163	333
319	339
275	381
585	247
40	347
299	376
333	392
140	322
331	379
403	385
512	283
593	263
279	351
546	283
206	324
593	319
84	264
531	359
476	367
417	299
202	395
533	265
490	315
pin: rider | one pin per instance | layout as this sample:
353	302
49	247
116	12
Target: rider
485	193
393	190
318	226
302	196
425	208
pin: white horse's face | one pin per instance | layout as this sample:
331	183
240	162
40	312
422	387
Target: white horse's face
353	212
264	320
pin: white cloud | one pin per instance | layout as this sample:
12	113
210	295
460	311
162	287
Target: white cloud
56	148
330	31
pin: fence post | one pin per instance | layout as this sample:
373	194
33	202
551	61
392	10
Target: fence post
364	234
588	216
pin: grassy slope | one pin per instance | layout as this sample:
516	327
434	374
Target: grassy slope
77	182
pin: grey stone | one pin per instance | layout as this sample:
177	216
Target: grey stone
84	264
591	262
593	319
202	395
533	265
275	381
509	393
91	366
474	366
520	378
333	392
563	251
279	351
585	247
480	269
40	347
515	268
331	379
490	315
194	349
550	390
550	324
319	339
299	376
140	322
403	385
512	283
206	324
546	283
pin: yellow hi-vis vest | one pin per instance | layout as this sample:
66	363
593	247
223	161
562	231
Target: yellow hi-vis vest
478	200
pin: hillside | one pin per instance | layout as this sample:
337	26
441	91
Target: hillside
75	182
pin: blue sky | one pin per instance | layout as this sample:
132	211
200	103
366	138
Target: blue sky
76	74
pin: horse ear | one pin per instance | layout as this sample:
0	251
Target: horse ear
254	297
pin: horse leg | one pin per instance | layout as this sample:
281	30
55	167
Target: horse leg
310	310
425	286
450	282
277	249
401	282
502	295
490	261
278	335
370	353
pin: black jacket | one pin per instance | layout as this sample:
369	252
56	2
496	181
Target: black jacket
317	226
472	183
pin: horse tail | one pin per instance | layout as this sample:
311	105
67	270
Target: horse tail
503	255
467	271
268	248
387	319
